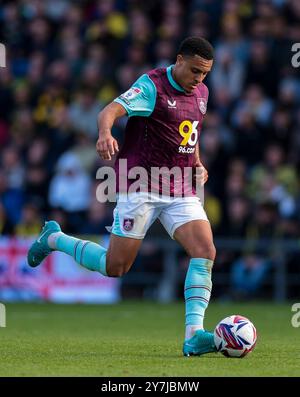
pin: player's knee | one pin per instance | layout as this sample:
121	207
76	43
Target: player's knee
117	269
116	272
204	250
212	252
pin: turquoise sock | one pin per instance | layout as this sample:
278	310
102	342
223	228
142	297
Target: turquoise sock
197	290
89	255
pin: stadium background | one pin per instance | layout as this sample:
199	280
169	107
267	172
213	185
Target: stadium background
66	60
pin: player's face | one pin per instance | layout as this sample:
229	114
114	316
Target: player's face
191	71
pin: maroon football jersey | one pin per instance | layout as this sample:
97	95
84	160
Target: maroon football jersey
165	138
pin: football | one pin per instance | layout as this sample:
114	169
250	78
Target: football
235	336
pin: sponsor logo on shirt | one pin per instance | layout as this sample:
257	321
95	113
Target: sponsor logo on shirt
172	104
188	131
132	93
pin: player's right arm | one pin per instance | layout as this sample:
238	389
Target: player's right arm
139	100
107	145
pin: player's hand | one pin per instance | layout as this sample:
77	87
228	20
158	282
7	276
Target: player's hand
201	174
106	146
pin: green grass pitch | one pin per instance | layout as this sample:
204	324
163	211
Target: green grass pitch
138	339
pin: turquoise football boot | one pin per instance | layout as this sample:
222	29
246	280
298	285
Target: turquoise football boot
200	343
40	248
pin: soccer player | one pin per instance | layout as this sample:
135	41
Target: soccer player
165	109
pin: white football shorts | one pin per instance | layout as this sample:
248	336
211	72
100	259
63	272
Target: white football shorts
134	216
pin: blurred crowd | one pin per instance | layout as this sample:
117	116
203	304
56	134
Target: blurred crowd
67	59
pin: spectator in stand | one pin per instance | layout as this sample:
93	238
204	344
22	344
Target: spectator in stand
228	74
6	227
247	276
38	170
260	69
98	218
61	216
11	198
237	217
30	222
13	167
275	180
83	112
70	189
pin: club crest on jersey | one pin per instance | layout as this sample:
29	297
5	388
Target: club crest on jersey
130	94
128	224
202	105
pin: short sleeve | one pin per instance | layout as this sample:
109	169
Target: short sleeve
140	99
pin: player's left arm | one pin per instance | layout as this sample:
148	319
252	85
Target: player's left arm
201	174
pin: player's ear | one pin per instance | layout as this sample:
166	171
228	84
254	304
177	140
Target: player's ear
179	59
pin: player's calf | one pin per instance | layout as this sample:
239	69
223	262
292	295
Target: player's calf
121	254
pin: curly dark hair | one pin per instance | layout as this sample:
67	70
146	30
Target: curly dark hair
196	46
